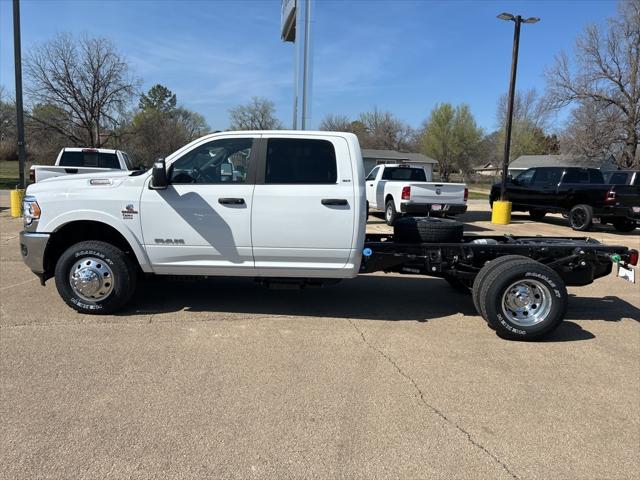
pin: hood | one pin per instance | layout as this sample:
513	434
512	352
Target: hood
84	180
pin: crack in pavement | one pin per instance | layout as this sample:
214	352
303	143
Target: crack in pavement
423	400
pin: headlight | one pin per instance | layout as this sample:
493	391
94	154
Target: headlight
31	210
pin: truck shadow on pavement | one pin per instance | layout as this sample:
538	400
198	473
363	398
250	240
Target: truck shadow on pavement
369	297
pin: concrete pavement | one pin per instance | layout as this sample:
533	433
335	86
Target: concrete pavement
384	376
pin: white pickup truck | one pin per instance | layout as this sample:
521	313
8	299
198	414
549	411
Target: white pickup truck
72	161
406	189
282	206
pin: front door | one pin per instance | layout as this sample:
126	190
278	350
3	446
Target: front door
370	186
303	207
201	224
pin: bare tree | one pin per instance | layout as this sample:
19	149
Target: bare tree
87	79
259	114
385	131
336	123
592	131
607	73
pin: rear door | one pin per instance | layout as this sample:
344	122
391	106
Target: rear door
303	206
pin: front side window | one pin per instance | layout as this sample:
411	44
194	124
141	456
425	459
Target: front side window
547	177
373	174
218	161
525	177
300	161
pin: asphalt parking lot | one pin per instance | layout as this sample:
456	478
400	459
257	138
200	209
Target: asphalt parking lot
384	376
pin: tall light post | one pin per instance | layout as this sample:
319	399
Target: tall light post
518	20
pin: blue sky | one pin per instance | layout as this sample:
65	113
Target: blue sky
402	56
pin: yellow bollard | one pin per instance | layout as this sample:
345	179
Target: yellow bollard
16	202
501	214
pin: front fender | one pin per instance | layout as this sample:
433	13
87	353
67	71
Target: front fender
99	216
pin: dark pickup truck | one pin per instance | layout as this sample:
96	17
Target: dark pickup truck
580	193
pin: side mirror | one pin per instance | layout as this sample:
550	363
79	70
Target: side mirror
159	180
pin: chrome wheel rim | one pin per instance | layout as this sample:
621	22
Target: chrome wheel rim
389	213
91	279
527	302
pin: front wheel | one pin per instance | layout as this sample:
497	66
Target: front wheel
95	277
523	299
390	213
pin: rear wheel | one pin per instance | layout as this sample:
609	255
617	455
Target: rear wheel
581	217
523	299
624	224
390	213
482	274
537	214
95	277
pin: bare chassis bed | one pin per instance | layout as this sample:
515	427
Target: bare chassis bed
578	261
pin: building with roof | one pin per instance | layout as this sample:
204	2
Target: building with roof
372	157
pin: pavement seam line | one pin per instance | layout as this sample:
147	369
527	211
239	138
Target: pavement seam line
423	400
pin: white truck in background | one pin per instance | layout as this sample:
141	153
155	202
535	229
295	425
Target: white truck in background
73	161
405	189
285	208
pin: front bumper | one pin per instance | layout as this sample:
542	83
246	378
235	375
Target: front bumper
421	209
32	247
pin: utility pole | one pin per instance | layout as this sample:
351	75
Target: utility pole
19	109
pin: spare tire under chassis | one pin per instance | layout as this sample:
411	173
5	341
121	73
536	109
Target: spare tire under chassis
427	229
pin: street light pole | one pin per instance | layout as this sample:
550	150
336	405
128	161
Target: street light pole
518	20
512	93
19	109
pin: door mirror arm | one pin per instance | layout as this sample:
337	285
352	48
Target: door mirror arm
159	178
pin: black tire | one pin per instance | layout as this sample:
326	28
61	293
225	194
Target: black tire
482	274
390	213
428	229
581	217
543	285
458	285
624	224
537	214
123	275
367	213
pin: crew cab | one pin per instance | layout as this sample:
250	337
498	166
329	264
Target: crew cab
283	207
406	189
71	161
580	193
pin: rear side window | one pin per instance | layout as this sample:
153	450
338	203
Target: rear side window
401	173
300	161
89	159
576	176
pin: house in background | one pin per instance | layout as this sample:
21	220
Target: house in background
371	158
525	162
